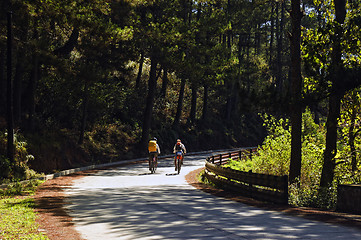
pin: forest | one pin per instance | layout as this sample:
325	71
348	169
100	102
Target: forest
92	81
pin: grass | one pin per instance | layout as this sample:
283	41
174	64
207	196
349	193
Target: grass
17	216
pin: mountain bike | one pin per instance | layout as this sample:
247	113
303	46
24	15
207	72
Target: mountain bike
153	164
178	161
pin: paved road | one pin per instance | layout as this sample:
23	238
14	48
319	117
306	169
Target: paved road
129	203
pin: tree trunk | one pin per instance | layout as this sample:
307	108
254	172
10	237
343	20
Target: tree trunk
351	141
205	103
229	103
331	141
140	70
84	113
296	88
2	82
10	120
165	80
148	111
18	89
32	88
180	103
192	116
279	80
334	99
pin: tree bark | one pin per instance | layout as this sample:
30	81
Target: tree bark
351	140
272	35
165	80
2	82
329	164
66	49
18	89
192	116
84	113
10	120
148	111
140	70
32	88
180	103
205	103
296	88
279	80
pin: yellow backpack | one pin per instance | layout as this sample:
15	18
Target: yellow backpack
152	146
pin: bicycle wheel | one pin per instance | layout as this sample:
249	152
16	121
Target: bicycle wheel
155	163
151	165
179	164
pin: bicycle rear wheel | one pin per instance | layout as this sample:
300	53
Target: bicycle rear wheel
152	165
179	164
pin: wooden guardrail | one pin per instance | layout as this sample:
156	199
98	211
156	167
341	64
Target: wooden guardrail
258	186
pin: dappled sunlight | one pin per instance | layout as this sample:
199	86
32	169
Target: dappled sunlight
124	204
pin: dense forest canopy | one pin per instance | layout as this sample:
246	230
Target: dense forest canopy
98	78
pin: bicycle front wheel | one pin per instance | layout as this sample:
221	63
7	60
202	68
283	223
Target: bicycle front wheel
179	164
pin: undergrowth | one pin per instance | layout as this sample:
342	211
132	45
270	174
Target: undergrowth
17	216
274	155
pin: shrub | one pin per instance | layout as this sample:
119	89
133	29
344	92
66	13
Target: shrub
274	155
19	169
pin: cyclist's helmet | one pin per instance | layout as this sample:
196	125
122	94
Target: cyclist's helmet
178	142
155	138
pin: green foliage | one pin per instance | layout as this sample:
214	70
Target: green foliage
274	154
111	142
17	219
18	170
27	187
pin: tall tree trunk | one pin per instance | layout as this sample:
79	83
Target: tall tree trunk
279	80
140	70
10	120
148	111
229	103
2	81
18	89
272	35
351	140
296	83
180	103
84	113
165	80
32	88
205	103
192	116
330	152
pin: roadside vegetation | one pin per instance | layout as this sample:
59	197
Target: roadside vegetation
17	216
273	158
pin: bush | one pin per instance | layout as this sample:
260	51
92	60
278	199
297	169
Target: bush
19	169
274	158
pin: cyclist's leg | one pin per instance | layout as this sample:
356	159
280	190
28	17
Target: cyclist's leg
150	160
175	162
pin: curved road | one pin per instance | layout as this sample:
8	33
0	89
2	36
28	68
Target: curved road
129	203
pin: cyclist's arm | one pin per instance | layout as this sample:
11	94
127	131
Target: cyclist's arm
184	149
158	149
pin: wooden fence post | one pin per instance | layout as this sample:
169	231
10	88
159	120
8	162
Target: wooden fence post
220	159
240	155
285	189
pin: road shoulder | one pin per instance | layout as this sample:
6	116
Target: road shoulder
332	217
